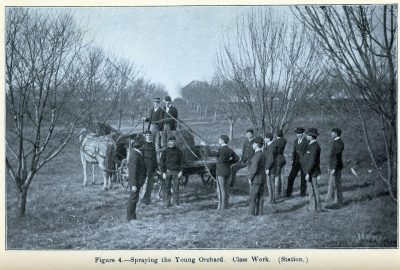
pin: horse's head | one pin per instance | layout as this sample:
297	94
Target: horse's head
82	133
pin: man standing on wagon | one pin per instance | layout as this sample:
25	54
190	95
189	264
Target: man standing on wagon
156	120
225	158
170	117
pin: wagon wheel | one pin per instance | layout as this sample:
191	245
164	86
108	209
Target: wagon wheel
122	173
183	180
159	186
207	181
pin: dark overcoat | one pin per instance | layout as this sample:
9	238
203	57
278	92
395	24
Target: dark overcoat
136	168
311	159
256	172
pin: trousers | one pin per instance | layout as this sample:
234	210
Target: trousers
234	169
335	187
256	200
156	135
223	192
147	188
313	194
292	176
132	202
172	180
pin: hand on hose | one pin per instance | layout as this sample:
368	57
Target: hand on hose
164	176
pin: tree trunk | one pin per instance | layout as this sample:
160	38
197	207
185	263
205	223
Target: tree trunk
215	115
198	108
22	202
205	112
119	121
231	123
392	158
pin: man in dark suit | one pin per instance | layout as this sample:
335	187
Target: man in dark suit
256	176
280	161
270	152
247	154
171	165
156	120
136	177
150	160
310	163
299	147
170	120
335	169
225	158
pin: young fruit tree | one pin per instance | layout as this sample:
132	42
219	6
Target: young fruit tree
270	63
360	48
41	79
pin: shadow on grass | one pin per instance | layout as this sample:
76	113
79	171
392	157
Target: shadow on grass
366	197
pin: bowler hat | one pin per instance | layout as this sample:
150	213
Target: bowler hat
156	99
312	132
172	138
259	140
250	130
147	132
279	133
337	131
299	130
167	98
269	135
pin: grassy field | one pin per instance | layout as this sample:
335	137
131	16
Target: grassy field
62	214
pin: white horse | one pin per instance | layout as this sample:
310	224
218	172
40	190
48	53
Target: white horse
97	149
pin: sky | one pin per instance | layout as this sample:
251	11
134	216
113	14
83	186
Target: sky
169	45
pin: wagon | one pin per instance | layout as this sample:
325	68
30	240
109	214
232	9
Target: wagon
205	168
195	163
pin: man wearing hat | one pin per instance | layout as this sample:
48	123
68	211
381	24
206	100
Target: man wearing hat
156	120
299	147
136	176
280	161
256	177
335	169
170	117
225	158
270	152
310	163
247	154
171	163
150	160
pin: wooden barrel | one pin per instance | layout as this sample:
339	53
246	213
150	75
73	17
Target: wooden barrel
185	142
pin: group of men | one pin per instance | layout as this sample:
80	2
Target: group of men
162	121
263	157
267	159
143	159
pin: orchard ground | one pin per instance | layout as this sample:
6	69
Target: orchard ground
62	214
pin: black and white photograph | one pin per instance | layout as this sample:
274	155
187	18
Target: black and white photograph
200	127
